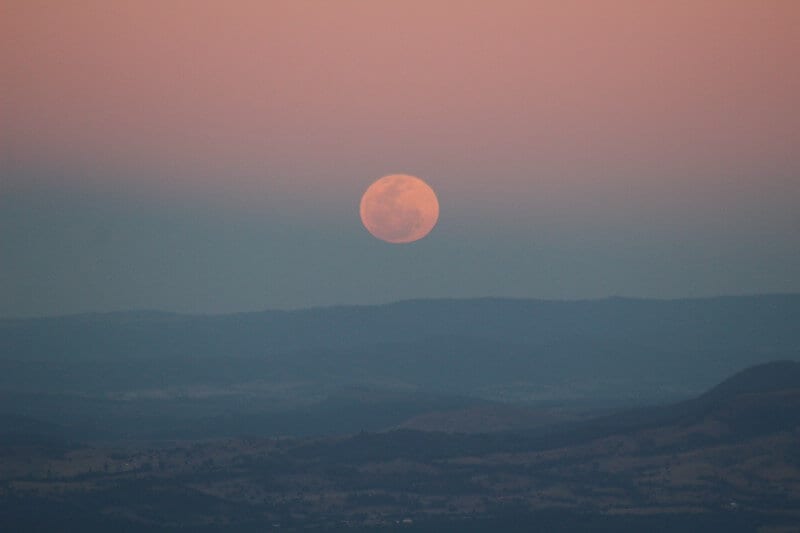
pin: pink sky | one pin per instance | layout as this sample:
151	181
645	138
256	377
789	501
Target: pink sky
211	155
492	102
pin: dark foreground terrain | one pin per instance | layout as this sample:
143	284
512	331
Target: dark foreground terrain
728	460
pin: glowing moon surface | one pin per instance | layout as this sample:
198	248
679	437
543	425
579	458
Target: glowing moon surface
399	208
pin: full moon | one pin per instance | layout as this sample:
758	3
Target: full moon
399	209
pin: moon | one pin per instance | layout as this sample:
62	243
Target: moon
399	209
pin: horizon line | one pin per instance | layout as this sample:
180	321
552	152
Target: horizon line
324	307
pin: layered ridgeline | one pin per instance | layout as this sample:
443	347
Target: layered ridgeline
726	460
528	350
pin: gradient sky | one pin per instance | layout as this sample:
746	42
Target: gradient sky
210	156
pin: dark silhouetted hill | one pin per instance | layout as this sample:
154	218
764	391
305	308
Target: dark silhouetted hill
768	378
744	407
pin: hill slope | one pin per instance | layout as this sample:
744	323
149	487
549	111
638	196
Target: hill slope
705	469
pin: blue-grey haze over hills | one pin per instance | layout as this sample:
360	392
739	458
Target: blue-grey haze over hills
493	348
601	333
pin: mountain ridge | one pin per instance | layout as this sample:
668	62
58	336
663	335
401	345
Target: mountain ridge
314	308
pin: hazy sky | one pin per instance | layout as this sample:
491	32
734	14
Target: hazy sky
210	156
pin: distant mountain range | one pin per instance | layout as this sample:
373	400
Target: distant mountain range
498	349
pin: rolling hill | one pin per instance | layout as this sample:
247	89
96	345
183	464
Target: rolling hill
718	462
